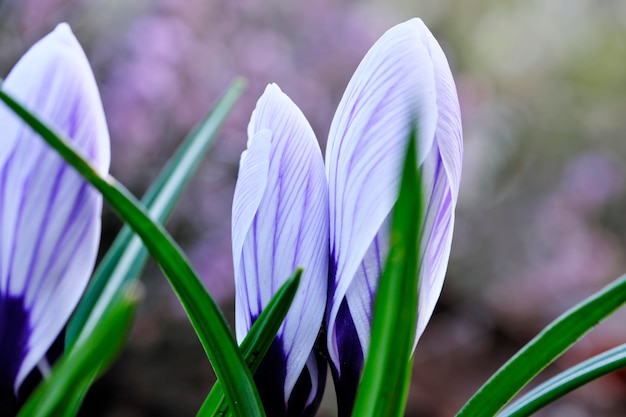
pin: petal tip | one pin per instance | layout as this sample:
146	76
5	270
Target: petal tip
62	39
63	29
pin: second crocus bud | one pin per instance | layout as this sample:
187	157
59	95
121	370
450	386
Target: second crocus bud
405	75
280	223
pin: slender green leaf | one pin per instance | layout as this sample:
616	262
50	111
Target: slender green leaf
204	314
403	386
71	377
544	349
258	340
567	381
382	391
127	256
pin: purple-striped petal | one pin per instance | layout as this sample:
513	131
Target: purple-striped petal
405	75
280	223
436	238
441	173
49	216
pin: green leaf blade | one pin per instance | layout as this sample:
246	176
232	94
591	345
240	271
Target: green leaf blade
62	392
544	349
206	318
567	381
383	387
257	342
127	256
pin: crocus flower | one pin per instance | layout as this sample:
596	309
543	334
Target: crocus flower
280	223
404	75
49	216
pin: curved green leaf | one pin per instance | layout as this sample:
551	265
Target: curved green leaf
383	387
257	341
127	256
60	394
543	350
567	381
204	314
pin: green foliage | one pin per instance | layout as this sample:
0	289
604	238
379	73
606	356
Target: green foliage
387	370
127	256
256	343
204	314
60	394
567	381
544	349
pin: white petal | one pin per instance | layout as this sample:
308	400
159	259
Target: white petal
251	183
449	132
49	216
284	225
368	136
436	237
362	290
441	176
404	75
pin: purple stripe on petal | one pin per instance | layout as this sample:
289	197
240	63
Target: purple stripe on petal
45	220
75	230
436	237
49	218
366	143
362	290
54	297
280	223
405	76
4	284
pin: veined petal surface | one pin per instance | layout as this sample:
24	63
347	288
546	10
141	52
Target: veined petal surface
441	177
49	216
280	223
404	77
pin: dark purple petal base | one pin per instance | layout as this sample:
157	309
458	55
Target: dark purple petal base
14	333
348	375
270	381
302	390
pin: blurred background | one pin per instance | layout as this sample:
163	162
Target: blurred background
540	221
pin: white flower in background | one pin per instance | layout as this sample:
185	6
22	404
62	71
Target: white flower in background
50	218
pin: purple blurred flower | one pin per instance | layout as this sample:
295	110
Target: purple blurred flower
404	74
49	216
280	223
